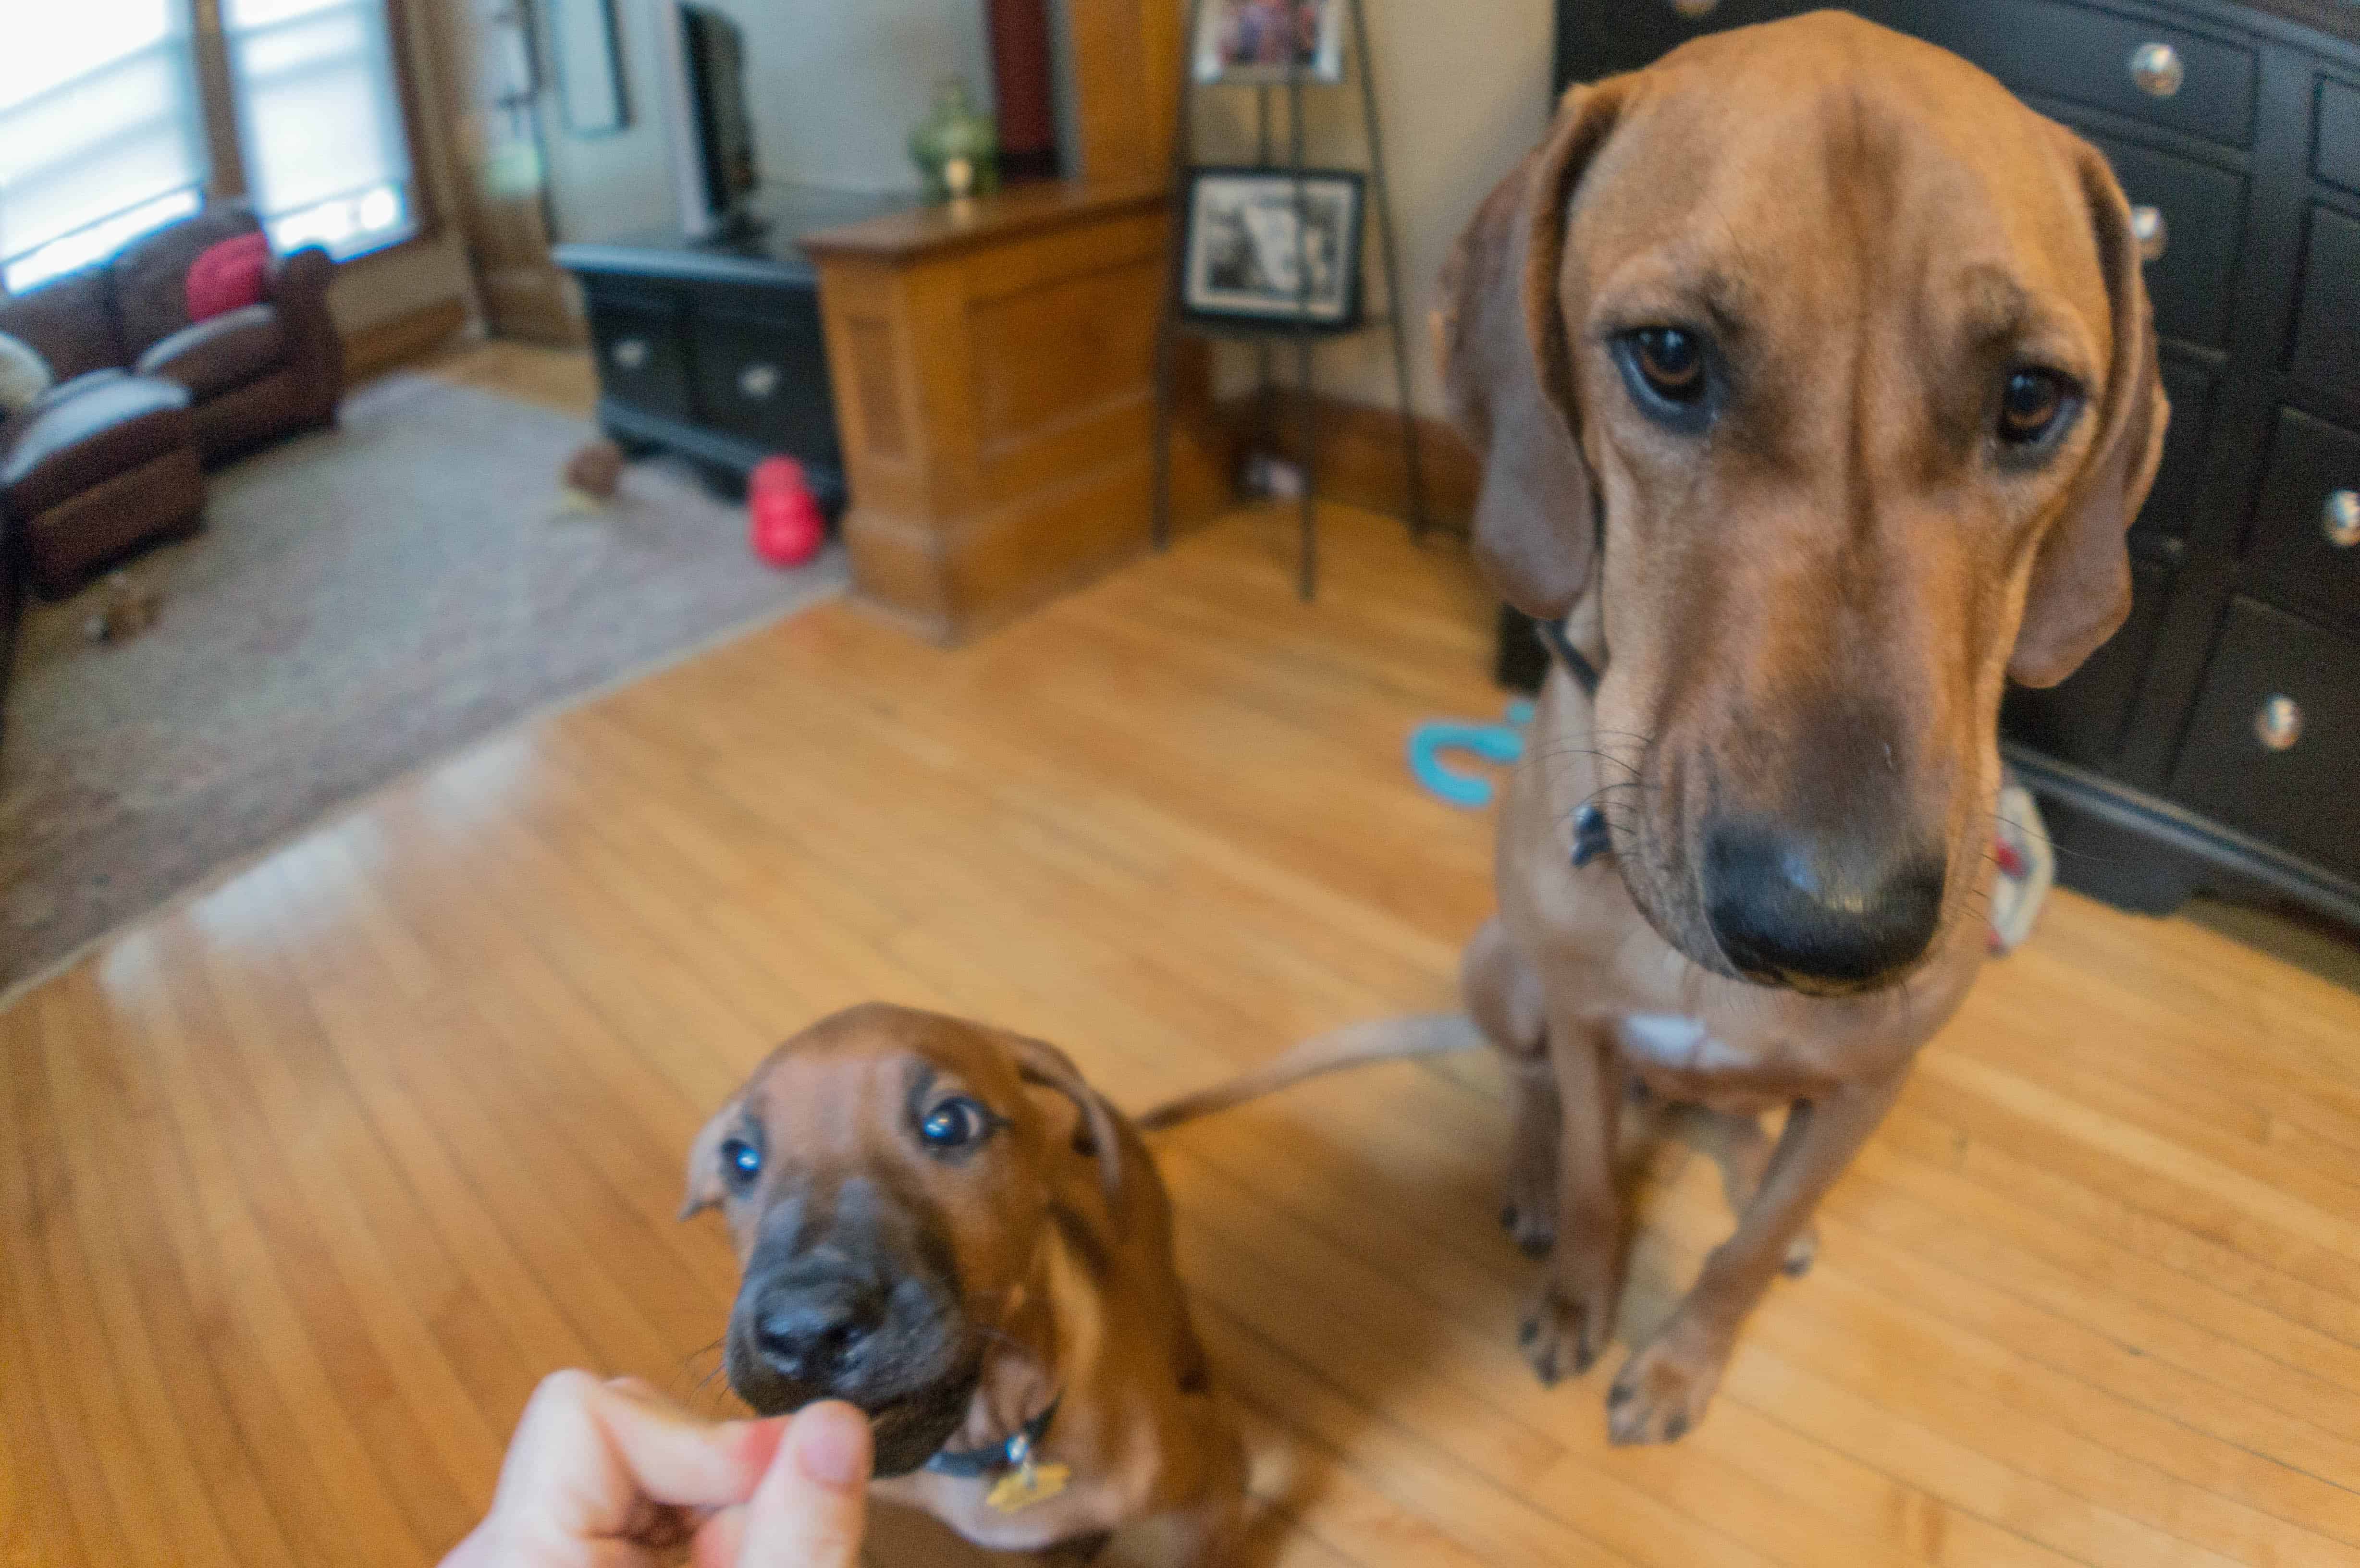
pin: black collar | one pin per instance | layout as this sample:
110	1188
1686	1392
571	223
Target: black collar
1576	663
969	1464
1591	836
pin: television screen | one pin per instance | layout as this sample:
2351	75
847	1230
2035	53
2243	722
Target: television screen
713	70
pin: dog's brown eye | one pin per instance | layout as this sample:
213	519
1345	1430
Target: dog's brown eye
1672	361
954	1124
2030	404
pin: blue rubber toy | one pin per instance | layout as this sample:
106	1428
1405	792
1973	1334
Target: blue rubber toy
1499	742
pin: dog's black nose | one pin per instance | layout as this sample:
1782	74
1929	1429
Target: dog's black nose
812	1332
1820	911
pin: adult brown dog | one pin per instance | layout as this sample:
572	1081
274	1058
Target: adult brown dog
943	1224
1815	383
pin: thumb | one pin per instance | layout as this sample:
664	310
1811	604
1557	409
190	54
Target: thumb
811	1507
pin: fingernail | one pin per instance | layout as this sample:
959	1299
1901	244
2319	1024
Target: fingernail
831	1445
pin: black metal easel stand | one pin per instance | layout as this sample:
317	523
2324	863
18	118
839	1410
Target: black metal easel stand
1171	324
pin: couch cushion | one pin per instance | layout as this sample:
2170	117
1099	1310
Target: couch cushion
69	322
151	273
221	352
87	433
24	374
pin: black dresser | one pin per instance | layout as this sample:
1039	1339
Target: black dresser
712	348
2214	743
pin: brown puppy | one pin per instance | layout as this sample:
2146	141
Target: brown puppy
1816	384
942	1223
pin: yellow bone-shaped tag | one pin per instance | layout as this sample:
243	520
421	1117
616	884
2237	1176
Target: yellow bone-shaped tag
1028	1484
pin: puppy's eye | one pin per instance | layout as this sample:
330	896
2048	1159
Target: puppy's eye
740	1162
2032	404
1671	360
954	1124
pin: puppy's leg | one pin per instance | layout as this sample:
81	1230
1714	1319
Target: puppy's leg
1572	1313
1663	1389
1502	994
1742	1150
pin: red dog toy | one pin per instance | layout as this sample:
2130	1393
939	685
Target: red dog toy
783	520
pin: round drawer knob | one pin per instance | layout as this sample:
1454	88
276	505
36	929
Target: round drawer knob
759	380
2279	724
2157	69
2340	518
2150	230
1695	8
631	353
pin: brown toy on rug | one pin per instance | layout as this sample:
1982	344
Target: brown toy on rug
941	1223
126	609
592	475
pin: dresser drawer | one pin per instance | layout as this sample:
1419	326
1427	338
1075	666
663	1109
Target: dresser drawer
2335	134
2162	75
2326	356
2203	211
2306	527
2274	747
640	362
2050	48
764	377
2171	504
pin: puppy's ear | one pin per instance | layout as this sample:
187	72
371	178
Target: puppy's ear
1037	1062
703	1185
2080	590
1507	374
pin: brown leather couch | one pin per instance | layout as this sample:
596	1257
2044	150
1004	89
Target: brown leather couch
108	459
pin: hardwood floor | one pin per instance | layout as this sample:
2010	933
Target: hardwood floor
304	1184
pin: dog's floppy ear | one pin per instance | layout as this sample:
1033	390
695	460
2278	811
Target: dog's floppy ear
1506	374
704	1186
2080	590
1037	1062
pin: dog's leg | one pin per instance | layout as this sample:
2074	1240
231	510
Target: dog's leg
1504	997
1663	1389
1572	1313
1742	1150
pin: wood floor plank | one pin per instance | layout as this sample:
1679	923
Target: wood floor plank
304	1184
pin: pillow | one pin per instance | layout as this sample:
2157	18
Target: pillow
24	374
228	276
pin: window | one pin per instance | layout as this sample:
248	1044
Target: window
101	133
326	160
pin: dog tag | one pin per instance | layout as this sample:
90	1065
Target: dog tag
1026	1484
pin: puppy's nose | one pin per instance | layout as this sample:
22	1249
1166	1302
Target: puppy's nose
1820	911
812	1332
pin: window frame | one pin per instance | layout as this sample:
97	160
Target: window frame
217	95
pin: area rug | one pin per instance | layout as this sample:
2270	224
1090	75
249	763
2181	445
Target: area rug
363	601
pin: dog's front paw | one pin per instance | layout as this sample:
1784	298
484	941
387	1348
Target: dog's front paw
1663	1389
1529	1227
1565	1330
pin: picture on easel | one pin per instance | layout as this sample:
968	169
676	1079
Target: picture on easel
1258	42
1267	248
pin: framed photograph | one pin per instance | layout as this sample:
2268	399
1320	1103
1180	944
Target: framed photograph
1265	248
1264	40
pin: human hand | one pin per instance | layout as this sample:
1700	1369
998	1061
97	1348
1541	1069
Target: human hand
611	1475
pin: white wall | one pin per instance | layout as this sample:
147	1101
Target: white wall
834	87
1463	90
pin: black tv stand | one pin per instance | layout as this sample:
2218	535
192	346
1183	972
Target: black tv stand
711	348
